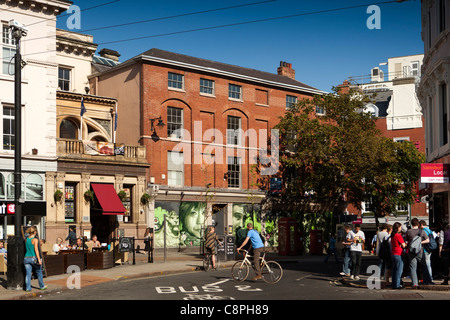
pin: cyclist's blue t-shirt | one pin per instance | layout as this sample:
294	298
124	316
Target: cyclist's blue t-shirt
255	239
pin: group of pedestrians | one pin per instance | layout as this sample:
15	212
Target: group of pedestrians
410	251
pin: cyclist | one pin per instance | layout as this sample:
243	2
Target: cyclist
210	244
258	247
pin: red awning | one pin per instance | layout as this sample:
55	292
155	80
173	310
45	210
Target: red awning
108	199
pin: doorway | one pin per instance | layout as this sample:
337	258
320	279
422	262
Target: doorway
103	226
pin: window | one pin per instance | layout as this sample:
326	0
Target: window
320	110
290	100
234	172
368	206
7	36
8	51
234	92
415	68
10	187
174	122
64	79
176	81
207	86
34	190
127	204
403	208
69	202
8	128
8	60
233	130
68	130
441	15
401	139
175	168
443	103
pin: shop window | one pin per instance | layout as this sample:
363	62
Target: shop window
2	187
10	186
34	188
127	204
69	202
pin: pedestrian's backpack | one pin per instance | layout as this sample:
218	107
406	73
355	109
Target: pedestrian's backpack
432	245
385	251
415	246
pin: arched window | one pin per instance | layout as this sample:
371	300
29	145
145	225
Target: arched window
10	186
2	187
68	130
34	188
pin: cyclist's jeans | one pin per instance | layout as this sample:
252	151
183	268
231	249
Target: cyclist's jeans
256	254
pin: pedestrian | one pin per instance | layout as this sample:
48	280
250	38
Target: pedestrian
381	236
332	249
210	244
32	260
429	247
444	253
72	236
415	234
346	253
357	239
397	245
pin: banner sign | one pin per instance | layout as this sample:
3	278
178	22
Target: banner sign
435	173
98	148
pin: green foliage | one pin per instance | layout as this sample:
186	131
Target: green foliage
342	155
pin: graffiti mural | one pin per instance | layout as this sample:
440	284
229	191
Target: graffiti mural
185	221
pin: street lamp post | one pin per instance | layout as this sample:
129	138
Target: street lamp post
16	246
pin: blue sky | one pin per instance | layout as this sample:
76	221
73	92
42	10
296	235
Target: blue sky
324	49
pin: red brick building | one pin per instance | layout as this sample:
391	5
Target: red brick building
202	123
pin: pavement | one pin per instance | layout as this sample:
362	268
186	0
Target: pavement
173	262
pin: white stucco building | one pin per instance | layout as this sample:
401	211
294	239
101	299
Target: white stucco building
434	95
39	85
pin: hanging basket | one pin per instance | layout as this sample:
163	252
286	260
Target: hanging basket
145	199
58	195
89	196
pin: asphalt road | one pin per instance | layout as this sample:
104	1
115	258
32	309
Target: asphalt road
308	280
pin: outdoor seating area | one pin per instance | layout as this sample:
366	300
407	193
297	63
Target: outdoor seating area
91	258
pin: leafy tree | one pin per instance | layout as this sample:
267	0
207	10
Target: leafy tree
328	161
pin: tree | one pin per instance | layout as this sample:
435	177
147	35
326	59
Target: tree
341	157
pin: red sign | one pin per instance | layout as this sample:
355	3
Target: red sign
357	221
8	208
435	173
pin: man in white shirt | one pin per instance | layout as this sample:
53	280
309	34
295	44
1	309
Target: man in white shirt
357	238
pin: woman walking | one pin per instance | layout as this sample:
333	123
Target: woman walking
397	245
33	260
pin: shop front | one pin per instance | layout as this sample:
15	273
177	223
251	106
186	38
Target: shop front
186	216
33	207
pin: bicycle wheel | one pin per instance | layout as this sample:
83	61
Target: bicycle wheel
239	271
207	263
271	272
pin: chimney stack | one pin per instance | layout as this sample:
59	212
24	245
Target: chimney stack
110	54
285	69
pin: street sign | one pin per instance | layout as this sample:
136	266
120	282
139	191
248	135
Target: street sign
435	173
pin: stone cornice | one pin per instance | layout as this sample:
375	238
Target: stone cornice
49	7
73	96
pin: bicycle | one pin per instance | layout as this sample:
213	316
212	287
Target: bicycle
271	271
207	262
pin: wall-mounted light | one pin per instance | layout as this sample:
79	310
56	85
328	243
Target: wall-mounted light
160	124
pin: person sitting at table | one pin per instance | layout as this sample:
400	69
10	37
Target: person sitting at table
2	249
95	242
58	245
79	245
